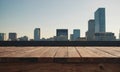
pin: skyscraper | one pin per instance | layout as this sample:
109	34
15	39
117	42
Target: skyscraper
91	25
91	30
119	34
71	37
2	36
12	36
76	34
37	34
100	20
62	34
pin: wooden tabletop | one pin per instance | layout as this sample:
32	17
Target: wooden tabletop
60	52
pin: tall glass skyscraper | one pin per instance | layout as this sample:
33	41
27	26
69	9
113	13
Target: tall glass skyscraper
91	30
2	36
76	34
37	34
119	34
100	20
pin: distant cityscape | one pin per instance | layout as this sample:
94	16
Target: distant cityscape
96	32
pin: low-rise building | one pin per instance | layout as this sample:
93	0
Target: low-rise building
24	38
104	36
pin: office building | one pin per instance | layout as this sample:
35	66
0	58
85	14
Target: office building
61	35
71	37
100	20
62	32
119	34
2	36
91	30
37	34
12	37
106	36
76	34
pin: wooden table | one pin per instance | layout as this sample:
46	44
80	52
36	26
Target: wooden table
59	59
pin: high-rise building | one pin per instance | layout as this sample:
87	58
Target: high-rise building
119	34
91	30
100	20
2	36
61	34
12	37
71	37
37	34
91	25
76	34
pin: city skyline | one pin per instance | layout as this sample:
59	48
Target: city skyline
22	16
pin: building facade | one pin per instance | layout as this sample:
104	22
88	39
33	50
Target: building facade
61	35
71	37
119	34
2	36
100	20
12	37
76	34
37	34
24	38
91	30
106	36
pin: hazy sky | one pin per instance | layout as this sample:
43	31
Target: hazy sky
23	16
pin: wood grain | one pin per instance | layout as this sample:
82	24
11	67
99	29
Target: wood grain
59	59
62	52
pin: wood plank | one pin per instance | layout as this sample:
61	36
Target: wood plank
18	51
116	49
29	52
72	52
99	52
110	50
35	53
5	51
57	67
62	52
50	52
42	52
84	52
66	52
11	50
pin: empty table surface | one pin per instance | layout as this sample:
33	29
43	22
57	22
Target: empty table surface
60	52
